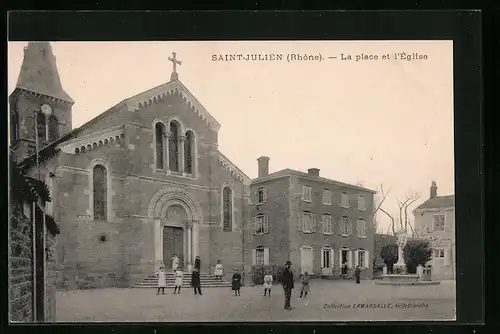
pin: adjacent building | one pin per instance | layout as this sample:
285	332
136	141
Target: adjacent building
435	221
324	227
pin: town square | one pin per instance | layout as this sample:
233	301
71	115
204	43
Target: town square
329	301
149	182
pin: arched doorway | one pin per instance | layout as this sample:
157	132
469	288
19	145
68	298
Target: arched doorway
173	234
176	216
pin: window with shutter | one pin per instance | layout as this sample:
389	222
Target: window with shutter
266	256
265	195
367	260
344	198
306	194
266	224
254	226
259	256
361	203
313	225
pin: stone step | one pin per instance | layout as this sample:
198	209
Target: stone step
136	286
206	280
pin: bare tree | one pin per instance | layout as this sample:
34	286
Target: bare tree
404	220
378	204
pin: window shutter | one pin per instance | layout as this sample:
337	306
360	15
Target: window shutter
264	196
447	256
254	225
356	258
254	257
332	262
339	224
266	256
349	226
367	259
266	224
349	259
313	228
256	197
323	224
322	257
301	221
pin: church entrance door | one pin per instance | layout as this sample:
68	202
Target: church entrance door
173	238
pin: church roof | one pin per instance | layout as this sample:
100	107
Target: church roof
142	100
438	203
290	172
39	72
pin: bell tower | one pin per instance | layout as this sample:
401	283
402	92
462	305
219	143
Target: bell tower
38	95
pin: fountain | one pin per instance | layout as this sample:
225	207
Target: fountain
402	277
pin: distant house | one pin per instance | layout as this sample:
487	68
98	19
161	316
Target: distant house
435	221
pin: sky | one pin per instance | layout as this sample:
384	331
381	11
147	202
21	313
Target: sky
371	122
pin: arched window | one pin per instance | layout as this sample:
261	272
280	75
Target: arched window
14	124
173	147
188	152
41	126
53	128
100	192
160	147
227	219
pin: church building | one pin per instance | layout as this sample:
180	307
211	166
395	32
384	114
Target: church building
137	184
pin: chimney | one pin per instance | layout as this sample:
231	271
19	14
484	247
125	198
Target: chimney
313	172
263	163
434	189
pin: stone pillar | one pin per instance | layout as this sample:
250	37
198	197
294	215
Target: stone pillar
196	239
384	270
158	242
181	153
167	151
190	243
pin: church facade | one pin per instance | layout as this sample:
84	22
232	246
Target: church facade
139	183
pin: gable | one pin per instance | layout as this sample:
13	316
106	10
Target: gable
124	111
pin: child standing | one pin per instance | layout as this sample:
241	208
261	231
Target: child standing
162	280
219	268
236	283
178	275
304	289
268	283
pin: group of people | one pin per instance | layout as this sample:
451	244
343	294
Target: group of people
195	277
287	280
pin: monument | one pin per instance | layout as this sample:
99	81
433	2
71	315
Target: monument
401	277
400	266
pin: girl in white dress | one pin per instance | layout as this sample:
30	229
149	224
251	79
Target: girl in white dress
178	275
162	280
219	269
175	263
268	283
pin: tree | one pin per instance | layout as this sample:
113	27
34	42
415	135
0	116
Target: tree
416	252
389	253
404	205
378	205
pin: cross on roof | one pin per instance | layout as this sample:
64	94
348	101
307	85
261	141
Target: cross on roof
174	60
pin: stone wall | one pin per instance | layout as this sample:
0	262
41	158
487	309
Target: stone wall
20	266
50	278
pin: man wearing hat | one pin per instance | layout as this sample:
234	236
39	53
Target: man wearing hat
287	280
